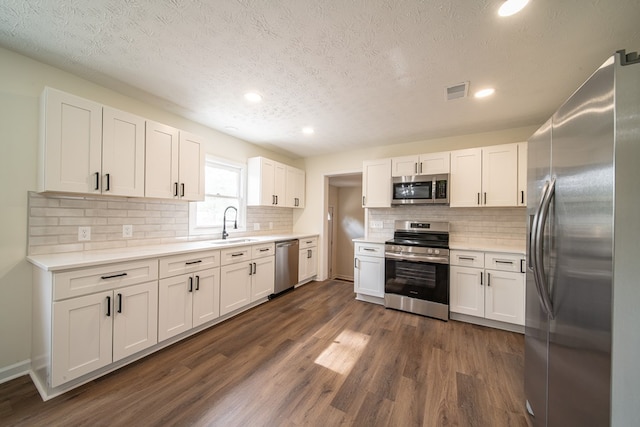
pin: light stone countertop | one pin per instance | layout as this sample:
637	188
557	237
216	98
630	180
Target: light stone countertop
65	261
488	247
365	240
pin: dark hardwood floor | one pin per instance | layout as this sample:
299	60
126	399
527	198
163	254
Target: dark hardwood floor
312	357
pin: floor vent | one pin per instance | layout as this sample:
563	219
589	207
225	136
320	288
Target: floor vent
460	90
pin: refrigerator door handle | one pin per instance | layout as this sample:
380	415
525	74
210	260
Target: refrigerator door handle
543	286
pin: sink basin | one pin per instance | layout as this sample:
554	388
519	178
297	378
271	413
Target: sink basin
223	242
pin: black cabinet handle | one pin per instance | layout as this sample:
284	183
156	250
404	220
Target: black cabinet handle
113	275
481	274
468	258
276	199
308	253
193	262
250	269
263	250
485	198
522	197
488	279
190	284
108	306
478	198
108	182
175	189
255	267
273	199
522	266
182	190
197	283
237	254
504	262
119	303
97	174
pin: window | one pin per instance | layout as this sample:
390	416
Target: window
223	187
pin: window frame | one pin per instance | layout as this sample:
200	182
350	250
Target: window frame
194	228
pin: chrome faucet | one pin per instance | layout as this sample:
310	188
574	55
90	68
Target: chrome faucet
224	221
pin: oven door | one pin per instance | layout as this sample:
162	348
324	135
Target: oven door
417	279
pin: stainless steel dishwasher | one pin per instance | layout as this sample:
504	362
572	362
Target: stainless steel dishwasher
286	265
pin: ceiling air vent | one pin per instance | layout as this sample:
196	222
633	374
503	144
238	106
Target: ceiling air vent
460	90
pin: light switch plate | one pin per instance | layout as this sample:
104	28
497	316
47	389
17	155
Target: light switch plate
84	234
127	231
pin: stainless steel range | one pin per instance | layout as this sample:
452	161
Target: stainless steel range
417	268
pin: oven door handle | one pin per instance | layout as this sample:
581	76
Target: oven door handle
414	257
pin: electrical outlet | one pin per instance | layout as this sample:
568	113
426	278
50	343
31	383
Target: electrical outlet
127	231
84	234
270	226
256	226
377	224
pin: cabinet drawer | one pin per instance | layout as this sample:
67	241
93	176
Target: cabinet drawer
369	249
86	281
188	263
308	242
466	258
233	255
504	262
266	249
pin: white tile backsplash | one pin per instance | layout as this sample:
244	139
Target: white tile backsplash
54	222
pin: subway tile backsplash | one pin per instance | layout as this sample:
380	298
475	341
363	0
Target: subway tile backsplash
476	226
54	222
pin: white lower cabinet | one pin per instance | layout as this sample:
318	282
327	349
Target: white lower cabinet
488	285
92	331
308	259
248	276
368	269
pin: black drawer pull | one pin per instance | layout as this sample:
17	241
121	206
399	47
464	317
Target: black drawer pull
468	258
193	262
113	276
504	262
238	254
264	250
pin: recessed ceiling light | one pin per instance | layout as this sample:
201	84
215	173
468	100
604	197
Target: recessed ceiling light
253	97
307	130
484	93
511	7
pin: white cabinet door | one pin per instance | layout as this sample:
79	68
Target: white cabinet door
260	183
435	163
376	183
175	306
404	166
70	143
82	336
262	277
368	276
505	296
135	319
466	291
466	178
295	187
522	174
500	175
206	296
235	286
307	263
280	183
191	167
123	140
161	162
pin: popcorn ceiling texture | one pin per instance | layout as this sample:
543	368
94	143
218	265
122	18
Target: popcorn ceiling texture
476	226
54	222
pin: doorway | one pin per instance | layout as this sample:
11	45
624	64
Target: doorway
344	222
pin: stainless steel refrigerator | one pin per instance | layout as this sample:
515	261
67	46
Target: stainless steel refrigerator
582	333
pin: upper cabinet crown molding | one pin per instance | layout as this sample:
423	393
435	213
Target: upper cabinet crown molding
89	148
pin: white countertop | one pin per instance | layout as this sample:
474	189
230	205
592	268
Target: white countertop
488	247
64	261
365	240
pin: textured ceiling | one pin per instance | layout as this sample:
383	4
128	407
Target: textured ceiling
361	72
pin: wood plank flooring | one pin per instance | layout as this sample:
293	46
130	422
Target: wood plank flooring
312	357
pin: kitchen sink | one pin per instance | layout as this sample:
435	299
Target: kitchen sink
223	242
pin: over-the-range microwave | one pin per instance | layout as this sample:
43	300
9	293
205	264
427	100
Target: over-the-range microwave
420	189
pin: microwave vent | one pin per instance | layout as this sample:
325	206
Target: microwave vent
460	90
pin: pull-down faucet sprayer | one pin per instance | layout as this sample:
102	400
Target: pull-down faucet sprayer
224	221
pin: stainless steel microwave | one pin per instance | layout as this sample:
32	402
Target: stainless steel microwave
420	189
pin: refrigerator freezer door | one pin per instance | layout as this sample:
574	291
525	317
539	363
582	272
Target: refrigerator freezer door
581	255
536	320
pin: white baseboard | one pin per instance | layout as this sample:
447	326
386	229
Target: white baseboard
14	371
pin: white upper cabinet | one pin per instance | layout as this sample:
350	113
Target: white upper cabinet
424	164
272	183
485	176
89	148
522	174
376	183
122	153
174	167
295	187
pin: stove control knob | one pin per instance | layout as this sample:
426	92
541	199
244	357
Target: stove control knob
437	252
429	251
